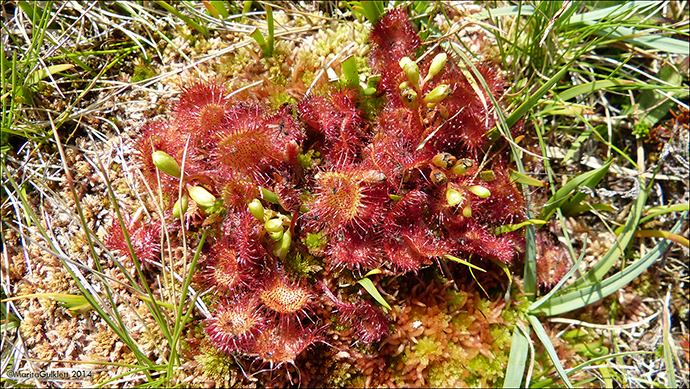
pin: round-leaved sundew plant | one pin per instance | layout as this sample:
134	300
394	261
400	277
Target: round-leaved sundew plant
321	187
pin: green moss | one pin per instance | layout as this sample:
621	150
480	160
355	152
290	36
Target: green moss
337	325
358	381
235	63
279	99
463	321
304	266
214	363
458	298
502	336
427	346
308	77
315	241
511	313
450	372
643	285
277	65
306	160
341	377
143	71
487	369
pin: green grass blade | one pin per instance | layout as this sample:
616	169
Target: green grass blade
514	227
26	7
560	283
183	17
589	179
578	209
644	39
212	10
585	295
550	350
591	87
458	260
180	324
663	209
668	343
521	178
614	11
663	234
269	23
602	267
259	38
517	360
219	5
369	286
536	96
513	10
350	71
43	73
372	10
530	278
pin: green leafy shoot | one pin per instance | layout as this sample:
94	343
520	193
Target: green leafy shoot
369	286
350	71
266	45
514	227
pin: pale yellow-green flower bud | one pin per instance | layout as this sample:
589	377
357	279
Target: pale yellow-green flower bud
201	196
453	197
276	236
257	209
467	211
274	225
461	166
180	206
166	163
438	94
281	248
411	69
480	191
437	64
